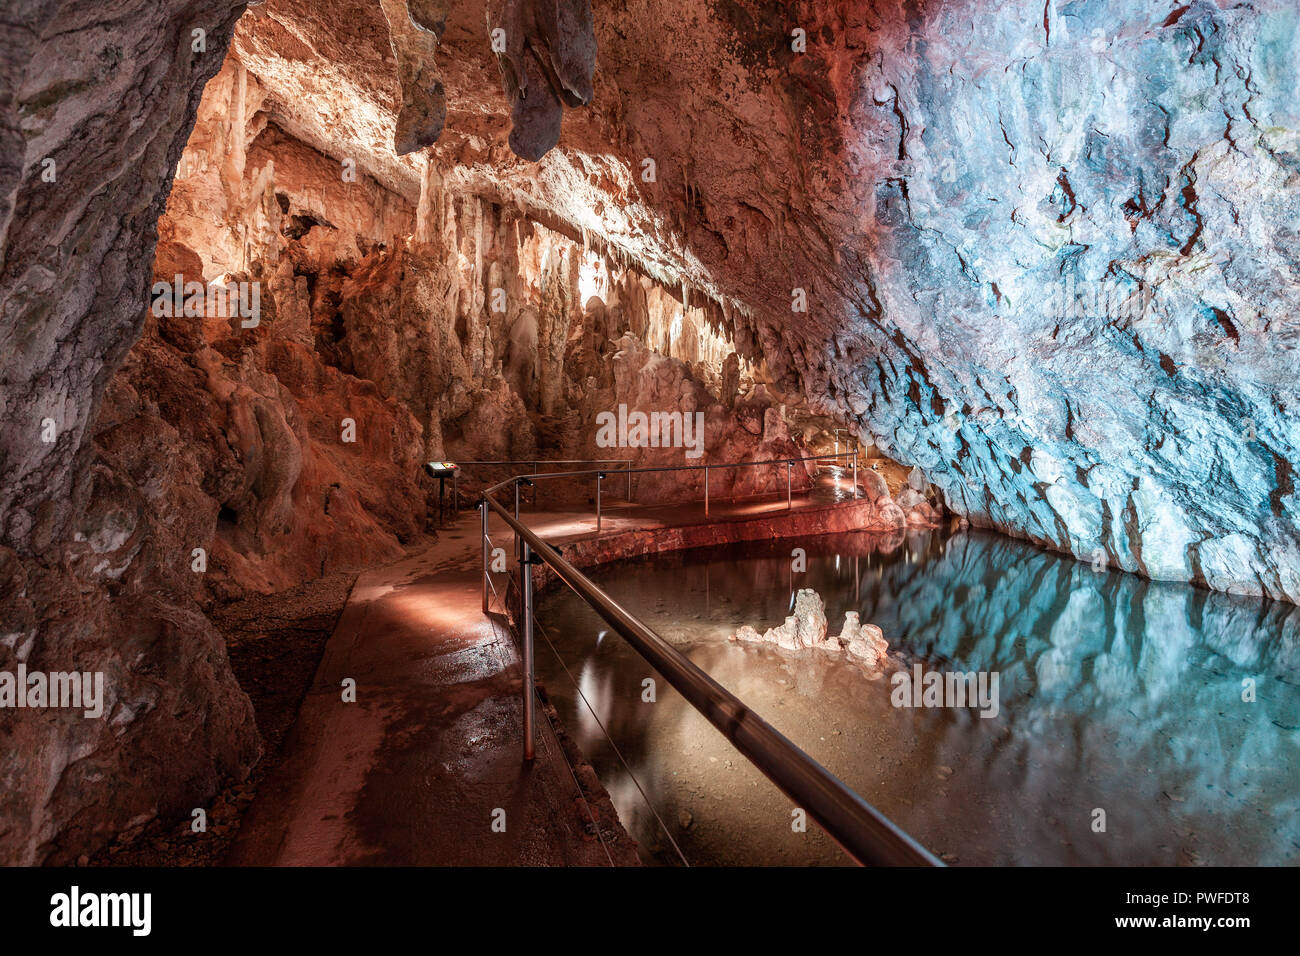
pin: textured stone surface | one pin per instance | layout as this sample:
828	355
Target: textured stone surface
933	176
974	203
94	538
414	38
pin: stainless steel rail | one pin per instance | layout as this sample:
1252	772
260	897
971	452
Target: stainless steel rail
863	832
536	463
629	471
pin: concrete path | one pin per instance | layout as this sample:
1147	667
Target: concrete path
418	768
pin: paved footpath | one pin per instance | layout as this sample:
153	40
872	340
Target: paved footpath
412	772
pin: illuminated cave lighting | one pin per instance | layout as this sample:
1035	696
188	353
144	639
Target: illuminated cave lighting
592	278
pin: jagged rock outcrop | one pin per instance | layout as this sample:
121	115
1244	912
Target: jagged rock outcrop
806	628
95	107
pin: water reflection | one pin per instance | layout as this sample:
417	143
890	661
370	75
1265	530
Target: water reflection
1117	694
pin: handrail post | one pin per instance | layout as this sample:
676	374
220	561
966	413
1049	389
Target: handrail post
519	541
526	601
487	552
455	493
706	491
600	476
861	830
789	486
855	472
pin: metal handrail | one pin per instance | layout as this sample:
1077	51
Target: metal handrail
545	461
862	832
642	471
788	462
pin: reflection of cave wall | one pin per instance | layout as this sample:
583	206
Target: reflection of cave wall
1152	677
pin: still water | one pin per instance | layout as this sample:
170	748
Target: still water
1138	723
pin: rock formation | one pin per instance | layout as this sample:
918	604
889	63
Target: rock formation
1046	256
806	627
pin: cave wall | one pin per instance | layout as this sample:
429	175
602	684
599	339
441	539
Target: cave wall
1085	270
208	456
944	182
973	201
93	544
970	199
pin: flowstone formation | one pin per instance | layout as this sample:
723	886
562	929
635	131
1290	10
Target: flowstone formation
807	626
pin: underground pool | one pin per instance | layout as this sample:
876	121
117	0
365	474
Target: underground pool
1137	722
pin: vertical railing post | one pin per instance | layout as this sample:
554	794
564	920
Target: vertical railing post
600	477
526	600
455	494
706	491
487	552
518	540
855	473
789	486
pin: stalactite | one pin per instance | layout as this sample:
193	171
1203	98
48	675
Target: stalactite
232	167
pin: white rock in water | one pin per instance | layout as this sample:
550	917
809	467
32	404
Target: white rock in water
810	612
806	627
786	636
870	647
848	633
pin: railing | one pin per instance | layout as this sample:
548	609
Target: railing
534	463
629	471
860	830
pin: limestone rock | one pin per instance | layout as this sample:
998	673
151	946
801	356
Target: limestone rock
415	44
909	498
785	636
810	613
873	485
868	646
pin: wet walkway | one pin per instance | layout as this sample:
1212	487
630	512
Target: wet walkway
424	767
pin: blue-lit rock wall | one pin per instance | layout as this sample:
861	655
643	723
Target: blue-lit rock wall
1065	261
